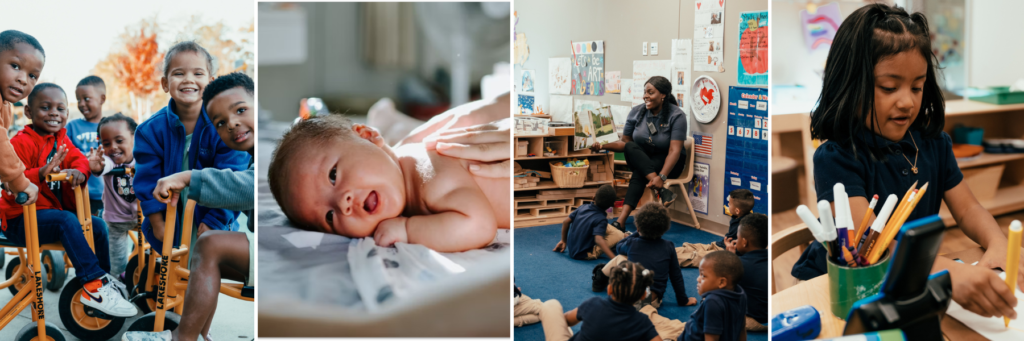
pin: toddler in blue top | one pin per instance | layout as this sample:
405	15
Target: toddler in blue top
606	318
585	232
90	93
720	314
658	255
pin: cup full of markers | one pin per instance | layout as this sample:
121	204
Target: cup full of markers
858	256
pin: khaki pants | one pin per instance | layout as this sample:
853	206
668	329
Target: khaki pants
754	326
612	236
667	329
527	311
607	270
691	254
552	319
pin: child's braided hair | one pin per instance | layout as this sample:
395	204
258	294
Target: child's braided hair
629	282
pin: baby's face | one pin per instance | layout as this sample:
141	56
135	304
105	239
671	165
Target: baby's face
344	187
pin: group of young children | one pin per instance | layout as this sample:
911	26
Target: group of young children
732	281
198	147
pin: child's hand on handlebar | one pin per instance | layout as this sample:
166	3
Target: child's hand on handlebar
33	194
77	178
172	183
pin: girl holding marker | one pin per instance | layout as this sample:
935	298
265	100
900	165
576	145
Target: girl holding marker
882	113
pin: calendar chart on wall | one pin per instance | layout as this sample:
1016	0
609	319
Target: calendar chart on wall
746	158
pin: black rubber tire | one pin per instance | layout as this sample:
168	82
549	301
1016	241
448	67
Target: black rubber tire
145	323
70	306
3	258
145	305
53	264
9	272
30	331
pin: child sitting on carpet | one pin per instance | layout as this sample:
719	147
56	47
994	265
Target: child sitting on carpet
720	313
585	232
741	201
611	318
751	245
647	248
332	176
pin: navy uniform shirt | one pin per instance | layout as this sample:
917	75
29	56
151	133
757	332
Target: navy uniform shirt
734	227
720	313
605	319
755	283
587	221
671	124
657	255
883	170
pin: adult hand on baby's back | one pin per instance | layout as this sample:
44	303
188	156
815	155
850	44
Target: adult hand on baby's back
488	143
391	231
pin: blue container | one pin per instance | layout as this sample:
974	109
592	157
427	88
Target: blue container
968	135
802	323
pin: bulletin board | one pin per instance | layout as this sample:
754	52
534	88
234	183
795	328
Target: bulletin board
746	161
623	27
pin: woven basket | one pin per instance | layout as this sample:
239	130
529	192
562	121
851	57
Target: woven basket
568	177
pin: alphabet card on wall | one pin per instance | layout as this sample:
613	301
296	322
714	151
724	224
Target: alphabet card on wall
752	67
588	68
708	33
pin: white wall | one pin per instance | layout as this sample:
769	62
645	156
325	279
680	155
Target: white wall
996	49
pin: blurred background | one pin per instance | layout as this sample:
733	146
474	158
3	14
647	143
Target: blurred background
425	57
125	46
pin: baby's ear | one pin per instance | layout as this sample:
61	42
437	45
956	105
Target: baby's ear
370	134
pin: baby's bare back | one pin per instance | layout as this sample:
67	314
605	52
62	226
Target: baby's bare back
443	184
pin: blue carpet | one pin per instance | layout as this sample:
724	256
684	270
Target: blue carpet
543	274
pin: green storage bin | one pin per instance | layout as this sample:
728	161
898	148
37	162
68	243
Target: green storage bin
999	95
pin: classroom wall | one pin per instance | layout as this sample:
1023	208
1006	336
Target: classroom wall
551	25
994	46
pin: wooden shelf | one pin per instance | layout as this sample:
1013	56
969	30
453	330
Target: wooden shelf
551	185
1006	200
557	157
988	159
968	107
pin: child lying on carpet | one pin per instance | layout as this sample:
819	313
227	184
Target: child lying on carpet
333	176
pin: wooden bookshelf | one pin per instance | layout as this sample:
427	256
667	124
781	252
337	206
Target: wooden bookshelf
532	208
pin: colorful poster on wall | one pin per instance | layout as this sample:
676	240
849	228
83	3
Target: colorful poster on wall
752	67
588	68
525	104
820	26
558	76
526	81
708	34
746	157
613	82
699	187
643	70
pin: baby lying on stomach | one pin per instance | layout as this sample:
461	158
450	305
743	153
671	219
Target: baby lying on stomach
332	176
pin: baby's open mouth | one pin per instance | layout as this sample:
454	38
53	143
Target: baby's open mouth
370	204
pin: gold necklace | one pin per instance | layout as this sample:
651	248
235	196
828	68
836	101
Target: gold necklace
913	166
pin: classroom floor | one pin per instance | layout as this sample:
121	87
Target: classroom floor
954	240
543	274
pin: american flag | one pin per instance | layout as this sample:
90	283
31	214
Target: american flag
702	145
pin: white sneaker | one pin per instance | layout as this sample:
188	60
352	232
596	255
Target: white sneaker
121	288
147	336
108	299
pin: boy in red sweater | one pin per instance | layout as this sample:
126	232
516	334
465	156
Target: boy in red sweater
45	148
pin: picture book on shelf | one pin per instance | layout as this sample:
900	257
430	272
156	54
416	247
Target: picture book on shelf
593	125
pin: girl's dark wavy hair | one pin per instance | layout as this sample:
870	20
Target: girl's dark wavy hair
872	33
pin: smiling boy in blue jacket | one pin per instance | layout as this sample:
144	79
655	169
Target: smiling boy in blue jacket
181	137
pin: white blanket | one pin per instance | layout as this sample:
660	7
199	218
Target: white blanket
330	269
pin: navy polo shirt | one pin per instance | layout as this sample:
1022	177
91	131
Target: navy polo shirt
755	283
881	169
720	313
605	319
587	221
734	227
670	123
657	255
